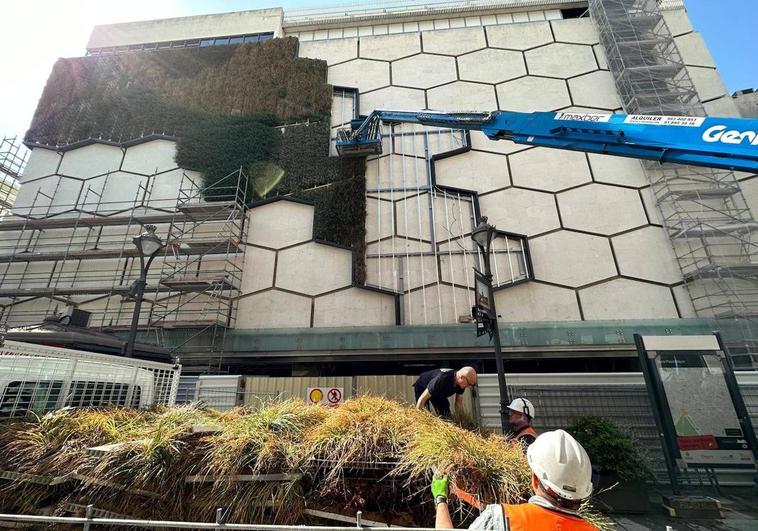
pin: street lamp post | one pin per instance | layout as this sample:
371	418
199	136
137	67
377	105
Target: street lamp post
483	235
148	246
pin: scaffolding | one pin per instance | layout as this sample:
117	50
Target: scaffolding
711	228
55	255
13	156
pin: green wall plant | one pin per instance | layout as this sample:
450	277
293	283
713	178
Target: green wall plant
225	104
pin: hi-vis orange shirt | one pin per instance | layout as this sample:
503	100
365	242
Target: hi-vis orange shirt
531	517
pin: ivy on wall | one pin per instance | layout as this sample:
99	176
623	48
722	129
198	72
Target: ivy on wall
225	104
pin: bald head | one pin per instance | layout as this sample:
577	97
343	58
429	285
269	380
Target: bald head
465	377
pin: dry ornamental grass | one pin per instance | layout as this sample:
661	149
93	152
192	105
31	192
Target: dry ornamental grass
370	453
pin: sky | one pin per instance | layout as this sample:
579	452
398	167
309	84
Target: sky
35	34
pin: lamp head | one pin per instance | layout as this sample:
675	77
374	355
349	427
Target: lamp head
482	234
148	243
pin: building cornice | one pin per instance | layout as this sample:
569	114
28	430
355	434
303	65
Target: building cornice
324	18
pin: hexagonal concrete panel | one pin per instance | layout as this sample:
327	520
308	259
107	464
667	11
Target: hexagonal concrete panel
694	51
684	302
650	206
332	51
571	259
423	306
595	89
530	94
88	161
521	211
404	174
41	162
723	106
454	41
461	96
397	246
423	71
313	268
66	196
380	219
274	309
390	47
601	208
635	249
491	66
455	267
519	36
627	299
617	170
561	60
473	170
258	272
677	21
537	302
354	307
575	31
550	170
392	98
602	59
707	81
151	157
452	218
363	74
413	217
280	224
402	272
117	191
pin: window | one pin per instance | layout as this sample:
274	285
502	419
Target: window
191	43
575	12
20	397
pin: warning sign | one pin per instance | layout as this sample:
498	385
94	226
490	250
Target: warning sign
328	396
334	395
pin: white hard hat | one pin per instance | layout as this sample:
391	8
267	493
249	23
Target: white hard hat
561	464
522	405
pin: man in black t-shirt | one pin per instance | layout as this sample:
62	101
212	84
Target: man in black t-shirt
437	385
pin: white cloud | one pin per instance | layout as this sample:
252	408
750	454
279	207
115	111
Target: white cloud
36	34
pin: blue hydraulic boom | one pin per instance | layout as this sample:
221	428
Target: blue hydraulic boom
726	143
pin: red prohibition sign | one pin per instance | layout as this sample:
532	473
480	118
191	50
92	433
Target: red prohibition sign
334	396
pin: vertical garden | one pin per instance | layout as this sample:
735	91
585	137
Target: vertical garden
258	107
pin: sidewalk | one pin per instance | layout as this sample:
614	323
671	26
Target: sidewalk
740	508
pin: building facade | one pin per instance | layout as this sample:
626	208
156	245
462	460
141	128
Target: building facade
586	257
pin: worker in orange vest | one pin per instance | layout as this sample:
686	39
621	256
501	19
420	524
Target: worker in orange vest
561	481
521	416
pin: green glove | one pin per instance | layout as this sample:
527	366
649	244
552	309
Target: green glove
440	489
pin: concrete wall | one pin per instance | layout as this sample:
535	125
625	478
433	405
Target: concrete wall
747	103
291	281
598	249
198	27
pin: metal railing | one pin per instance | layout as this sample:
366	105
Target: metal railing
88	521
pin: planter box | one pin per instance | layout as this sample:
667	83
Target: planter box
627	497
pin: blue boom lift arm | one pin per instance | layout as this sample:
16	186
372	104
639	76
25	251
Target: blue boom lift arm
726	143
